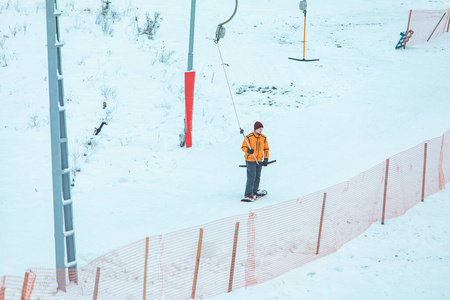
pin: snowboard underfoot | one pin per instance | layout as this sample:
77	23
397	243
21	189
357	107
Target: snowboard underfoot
264	192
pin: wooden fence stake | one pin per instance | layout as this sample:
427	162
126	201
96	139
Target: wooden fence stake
424	171
145	268
97	279
2	289
197	263
385	191
436	27
448	26
24	288
233	257
409	21
321	222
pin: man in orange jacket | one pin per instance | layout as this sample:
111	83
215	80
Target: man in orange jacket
259	150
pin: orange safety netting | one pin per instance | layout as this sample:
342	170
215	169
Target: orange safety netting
425	25
13	287
244	250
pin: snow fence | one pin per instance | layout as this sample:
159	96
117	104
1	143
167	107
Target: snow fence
248	249
425	25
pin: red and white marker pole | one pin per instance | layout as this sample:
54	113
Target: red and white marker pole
189	81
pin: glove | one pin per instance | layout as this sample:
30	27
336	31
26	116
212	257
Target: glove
250	151
265	162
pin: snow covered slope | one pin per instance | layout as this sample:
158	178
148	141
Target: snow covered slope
326	121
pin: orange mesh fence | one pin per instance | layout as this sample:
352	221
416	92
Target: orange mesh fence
28	285
128	272
46	283
2	288
292	233
351	207
11	287
445	158
243	250
282	237
434	176
197	262
132	270
405	177
426	25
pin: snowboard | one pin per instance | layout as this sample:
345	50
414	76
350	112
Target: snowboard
263	193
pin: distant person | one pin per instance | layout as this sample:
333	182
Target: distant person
259	149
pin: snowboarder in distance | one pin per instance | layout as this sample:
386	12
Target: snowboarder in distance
259	150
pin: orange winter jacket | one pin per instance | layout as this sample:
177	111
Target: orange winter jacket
258	142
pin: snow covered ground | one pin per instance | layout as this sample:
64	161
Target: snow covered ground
326	121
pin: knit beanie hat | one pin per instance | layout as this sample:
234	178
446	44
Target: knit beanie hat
258	125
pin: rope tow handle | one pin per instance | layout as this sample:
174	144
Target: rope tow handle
220	31
268	163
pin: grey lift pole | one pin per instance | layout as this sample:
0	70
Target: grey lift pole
62	203
190	65
191	38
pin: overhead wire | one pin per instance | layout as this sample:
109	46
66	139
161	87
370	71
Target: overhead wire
229	88
220	32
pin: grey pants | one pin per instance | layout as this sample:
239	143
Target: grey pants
253	177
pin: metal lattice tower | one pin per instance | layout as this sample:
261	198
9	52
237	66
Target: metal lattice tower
62	202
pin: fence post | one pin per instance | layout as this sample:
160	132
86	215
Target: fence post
321	222
145	268
25	285
97	279
2	289
197	263
424	170
448	24
436	27
385	191
233	257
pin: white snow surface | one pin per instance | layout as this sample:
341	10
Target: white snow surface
326	121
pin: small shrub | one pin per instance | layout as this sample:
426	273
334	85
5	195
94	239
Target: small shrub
15	30
91	144
3	60
77	158
106	28
17	7
164	55
34	120
71	5
125	141
105	7
151	25
107	17
18	28
40	6
25	27
108	93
